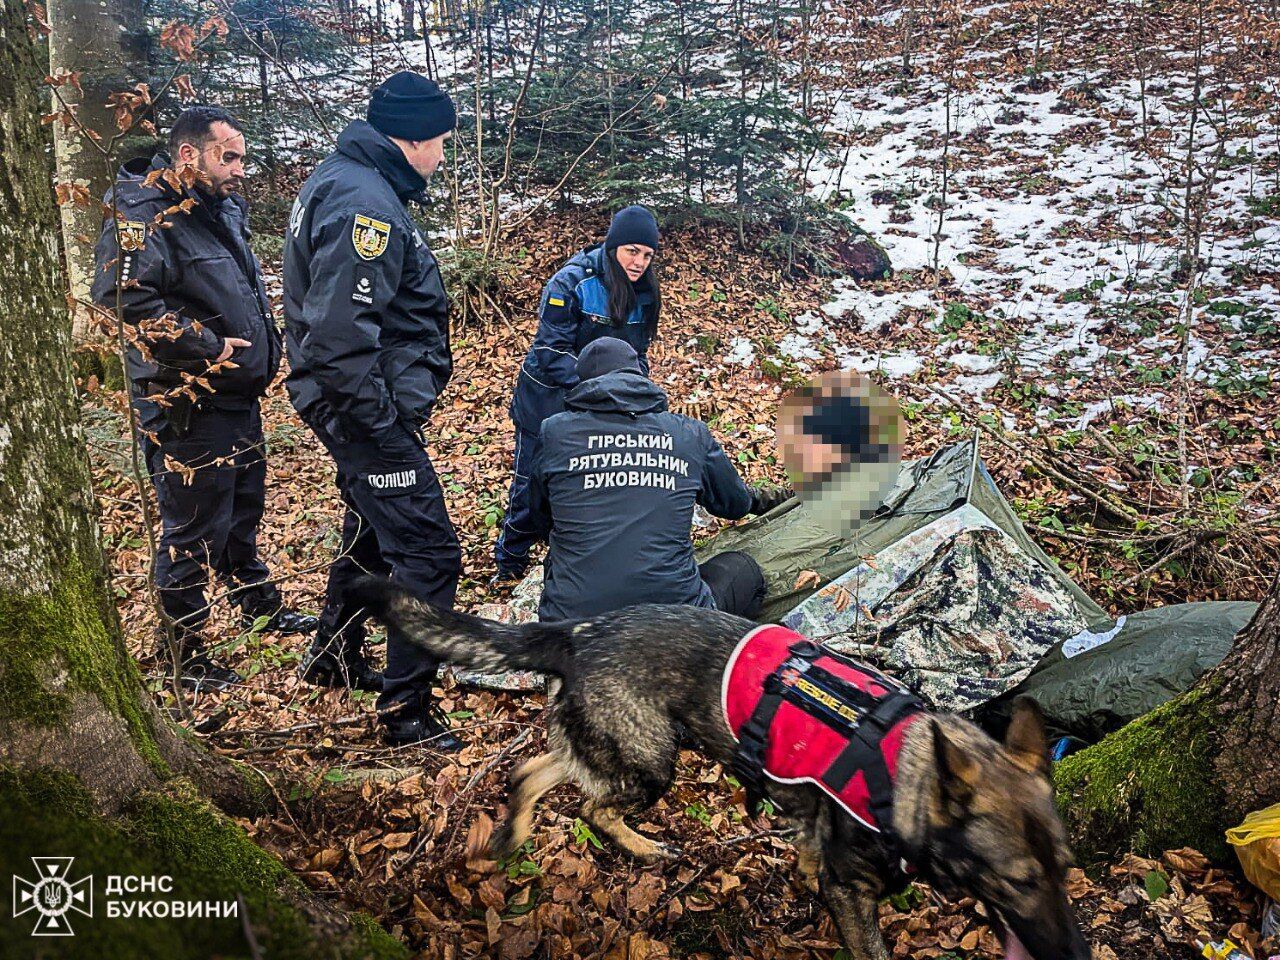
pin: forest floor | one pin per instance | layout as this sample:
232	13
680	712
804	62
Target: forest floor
1129	416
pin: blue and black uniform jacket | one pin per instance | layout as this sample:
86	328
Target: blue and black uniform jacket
366	316
573	312
198	271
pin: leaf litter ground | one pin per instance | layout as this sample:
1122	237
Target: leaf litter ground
1050	323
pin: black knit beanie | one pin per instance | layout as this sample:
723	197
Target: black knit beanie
408	106
607	355
635	224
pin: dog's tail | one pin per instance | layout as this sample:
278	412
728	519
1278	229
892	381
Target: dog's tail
462	639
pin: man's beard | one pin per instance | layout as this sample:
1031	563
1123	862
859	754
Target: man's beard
218	188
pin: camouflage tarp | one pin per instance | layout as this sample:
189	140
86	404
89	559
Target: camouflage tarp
521	608
955	610
787	541
943	587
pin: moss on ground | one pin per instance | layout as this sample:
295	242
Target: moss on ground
68	628
1148	787
174	833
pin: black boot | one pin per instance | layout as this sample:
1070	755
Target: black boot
426	726
506	579
199	672
280	619
327	664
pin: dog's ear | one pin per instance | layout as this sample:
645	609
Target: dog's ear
958	770
1025	740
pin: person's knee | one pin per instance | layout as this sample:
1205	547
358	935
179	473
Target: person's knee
737	583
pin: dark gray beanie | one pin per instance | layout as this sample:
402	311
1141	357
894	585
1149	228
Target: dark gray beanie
408	106
607	355
635	224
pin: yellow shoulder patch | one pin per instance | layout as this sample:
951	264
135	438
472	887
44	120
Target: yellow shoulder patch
555	301
369	236
133	235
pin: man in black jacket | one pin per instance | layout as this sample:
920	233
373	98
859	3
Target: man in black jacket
367	328
204	348
613	489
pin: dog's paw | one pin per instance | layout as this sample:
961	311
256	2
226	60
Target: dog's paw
808	881
501	844
657	853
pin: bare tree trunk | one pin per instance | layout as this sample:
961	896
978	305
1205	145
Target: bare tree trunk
264	88
87	765
102	40
426	38
910	17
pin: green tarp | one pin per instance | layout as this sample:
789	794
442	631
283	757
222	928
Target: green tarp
1155	655
945	589
788	541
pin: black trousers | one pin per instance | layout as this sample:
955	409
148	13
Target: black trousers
396	525
210	486
736	582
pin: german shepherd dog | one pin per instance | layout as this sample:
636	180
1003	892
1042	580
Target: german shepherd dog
975	817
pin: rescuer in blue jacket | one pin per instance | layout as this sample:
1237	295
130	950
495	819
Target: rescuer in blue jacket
609	290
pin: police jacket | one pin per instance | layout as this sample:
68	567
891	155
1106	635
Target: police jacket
366	317
199	271
615	482
573	312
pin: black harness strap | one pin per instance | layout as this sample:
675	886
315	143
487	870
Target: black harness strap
876	716
748	760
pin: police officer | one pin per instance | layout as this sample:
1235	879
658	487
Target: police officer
367	330
614	486
204	350
608	290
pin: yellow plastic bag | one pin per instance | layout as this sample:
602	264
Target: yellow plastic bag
1257	843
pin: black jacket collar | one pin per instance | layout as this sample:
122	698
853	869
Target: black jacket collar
136	171
362	143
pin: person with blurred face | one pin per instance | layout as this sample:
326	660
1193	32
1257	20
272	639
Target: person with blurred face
608	290
367	331
207	348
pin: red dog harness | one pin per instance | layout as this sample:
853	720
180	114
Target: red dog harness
803	713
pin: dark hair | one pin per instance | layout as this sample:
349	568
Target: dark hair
622	294
193	125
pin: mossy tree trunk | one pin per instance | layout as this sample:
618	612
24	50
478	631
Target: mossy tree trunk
1184	773
88	769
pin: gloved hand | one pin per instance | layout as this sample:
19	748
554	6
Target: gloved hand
764	499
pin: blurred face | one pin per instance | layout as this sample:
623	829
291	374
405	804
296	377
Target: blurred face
220	162
634	259
424	155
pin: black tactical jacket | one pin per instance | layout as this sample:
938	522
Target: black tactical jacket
366	317
200	270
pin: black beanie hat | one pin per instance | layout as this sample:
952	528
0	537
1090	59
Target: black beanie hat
635	224
607	355
408	106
